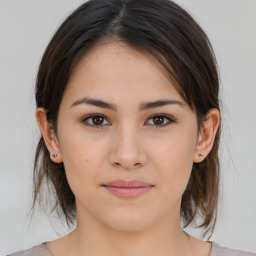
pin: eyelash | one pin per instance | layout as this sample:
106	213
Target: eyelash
86	118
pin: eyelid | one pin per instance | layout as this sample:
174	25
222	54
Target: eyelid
84	119
168	117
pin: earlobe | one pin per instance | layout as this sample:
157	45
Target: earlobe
207	135
49	135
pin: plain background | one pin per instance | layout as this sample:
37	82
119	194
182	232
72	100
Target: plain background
25	29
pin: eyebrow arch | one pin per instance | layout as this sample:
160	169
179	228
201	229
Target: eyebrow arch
143	106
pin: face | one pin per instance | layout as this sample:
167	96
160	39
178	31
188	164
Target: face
121	119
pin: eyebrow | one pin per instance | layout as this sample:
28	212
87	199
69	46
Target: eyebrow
110	106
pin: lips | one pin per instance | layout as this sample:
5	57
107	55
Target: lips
128	189
128	184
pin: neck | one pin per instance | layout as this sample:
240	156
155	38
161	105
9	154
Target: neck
162	239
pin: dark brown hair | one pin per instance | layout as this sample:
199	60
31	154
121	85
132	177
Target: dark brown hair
168	33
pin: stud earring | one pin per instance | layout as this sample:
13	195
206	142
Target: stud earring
201	155
54	155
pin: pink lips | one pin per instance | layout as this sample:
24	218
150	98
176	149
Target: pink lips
128	189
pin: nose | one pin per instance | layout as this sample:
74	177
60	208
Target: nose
127	150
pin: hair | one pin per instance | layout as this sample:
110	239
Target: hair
168	33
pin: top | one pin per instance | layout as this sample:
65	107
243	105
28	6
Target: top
41	250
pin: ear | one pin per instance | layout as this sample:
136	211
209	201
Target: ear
49	135
207	135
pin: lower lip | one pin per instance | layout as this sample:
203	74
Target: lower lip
128	192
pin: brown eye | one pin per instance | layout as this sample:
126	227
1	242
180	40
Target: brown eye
96	121
160	120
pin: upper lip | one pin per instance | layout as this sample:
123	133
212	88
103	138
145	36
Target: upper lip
128	184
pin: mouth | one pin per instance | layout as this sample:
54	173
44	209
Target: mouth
128	189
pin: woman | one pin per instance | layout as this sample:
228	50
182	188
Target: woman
128	106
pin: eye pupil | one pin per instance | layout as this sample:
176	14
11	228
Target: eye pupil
158	120
97	120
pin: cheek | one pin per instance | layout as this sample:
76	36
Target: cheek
78	146
174	162
82	156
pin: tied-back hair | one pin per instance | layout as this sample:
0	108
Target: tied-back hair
169	34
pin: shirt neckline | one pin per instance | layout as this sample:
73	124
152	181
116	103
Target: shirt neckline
213	247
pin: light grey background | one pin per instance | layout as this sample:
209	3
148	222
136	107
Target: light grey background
25	29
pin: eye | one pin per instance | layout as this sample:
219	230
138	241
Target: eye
95	120
160	120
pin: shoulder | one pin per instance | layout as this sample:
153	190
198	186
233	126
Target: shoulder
39	250
217	250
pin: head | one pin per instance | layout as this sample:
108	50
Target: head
133	47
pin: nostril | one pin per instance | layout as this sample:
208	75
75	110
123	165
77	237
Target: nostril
119	164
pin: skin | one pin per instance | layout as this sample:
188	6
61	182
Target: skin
128	145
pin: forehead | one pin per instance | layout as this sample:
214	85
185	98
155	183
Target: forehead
120	69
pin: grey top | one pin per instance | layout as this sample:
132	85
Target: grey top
41	250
